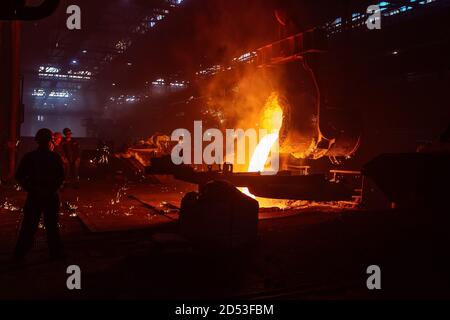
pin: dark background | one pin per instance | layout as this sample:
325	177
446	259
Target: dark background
402	98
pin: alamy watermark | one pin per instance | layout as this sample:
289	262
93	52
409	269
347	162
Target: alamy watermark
73	22
374	280
73	282
233	148
374	20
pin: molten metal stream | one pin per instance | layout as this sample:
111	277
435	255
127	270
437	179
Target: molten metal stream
260	157
272	121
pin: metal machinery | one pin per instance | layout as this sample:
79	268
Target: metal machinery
292	69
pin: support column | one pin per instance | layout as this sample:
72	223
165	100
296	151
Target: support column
14	130
9	96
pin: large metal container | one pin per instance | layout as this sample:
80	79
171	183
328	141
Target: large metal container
299	92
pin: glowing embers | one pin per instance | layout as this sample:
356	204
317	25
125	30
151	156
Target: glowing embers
123	44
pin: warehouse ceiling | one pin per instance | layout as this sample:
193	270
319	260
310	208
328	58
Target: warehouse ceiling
125	45
58	62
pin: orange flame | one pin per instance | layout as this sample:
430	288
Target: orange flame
272	120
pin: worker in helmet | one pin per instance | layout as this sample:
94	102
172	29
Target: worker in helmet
72	157
41	174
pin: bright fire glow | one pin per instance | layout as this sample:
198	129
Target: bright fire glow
260	157
272	118
272	121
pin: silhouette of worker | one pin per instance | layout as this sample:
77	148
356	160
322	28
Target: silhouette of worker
57	147
41	174
72	157
57	144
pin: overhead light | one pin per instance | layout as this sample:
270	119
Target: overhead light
395	52
113	84
59	94
84	51
74	61
129	64
38	93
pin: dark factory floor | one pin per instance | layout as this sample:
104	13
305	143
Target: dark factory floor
311	252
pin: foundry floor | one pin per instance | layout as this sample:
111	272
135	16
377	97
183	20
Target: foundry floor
315	252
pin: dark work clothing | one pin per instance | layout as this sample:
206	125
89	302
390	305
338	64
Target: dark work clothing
59	150
41	174
34	207
72	170
72	160
71	150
